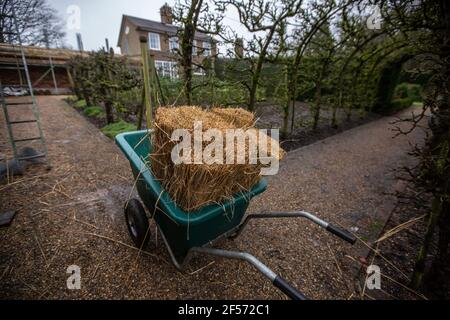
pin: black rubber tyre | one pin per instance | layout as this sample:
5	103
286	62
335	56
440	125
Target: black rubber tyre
137	223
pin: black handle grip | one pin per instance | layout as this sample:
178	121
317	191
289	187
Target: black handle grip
287	289
343	234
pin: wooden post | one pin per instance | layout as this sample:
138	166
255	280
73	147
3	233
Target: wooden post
158	83
69	76
19	71
147	88
153	82
141	110
53	74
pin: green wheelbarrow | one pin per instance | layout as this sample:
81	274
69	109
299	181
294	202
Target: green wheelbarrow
186	234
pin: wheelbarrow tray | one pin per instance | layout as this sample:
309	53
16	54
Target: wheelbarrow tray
181	230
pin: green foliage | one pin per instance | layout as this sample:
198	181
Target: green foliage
415	93
80	104
408	90
271	77
128	101
172	89
102	78
400	103
405	95
113	129
386	86
233	80
223	93
71	99
95	112
401	91
208	92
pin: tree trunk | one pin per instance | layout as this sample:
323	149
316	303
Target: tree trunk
188	80
438	277
437	282
334	124
419	267
292	114
141	110
109	112
190	25
284	129
317	105
84	89
252	99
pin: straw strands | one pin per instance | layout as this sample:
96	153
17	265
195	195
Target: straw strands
194	185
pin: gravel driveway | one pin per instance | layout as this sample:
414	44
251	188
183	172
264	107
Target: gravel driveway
73	216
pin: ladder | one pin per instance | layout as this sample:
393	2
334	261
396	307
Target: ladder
33	118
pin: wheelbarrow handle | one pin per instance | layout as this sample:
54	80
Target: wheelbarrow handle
276	280
341	233
287	289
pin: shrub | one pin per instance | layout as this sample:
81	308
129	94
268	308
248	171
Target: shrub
80	104
95	112
71	99
415	92
113	129
401	103
408	90
401	91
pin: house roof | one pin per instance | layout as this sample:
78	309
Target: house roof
155	26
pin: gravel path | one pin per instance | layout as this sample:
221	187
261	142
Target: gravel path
73	216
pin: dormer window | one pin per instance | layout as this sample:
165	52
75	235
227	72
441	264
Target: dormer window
154	41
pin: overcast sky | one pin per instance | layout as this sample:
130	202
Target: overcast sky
101	19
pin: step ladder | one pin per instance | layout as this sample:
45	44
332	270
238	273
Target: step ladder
32	119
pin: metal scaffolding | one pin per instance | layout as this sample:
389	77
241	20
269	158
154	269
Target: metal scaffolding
7	103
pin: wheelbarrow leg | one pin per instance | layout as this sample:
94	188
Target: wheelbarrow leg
276	280
343	234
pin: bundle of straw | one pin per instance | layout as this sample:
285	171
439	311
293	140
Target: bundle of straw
195	185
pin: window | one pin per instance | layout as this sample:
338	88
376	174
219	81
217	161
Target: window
153	41
194	48
173	44
167	69
196	70
206	49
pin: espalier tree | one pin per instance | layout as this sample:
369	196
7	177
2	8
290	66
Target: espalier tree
101	78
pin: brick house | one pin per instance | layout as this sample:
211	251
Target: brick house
162	41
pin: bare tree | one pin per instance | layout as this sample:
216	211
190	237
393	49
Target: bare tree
37	22
265	20
311	20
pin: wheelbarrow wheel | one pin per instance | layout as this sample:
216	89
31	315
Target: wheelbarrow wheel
137	223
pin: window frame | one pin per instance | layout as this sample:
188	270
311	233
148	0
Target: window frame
150	34
167	68
173	40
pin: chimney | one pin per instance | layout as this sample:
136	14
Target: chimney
239	47
166	14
